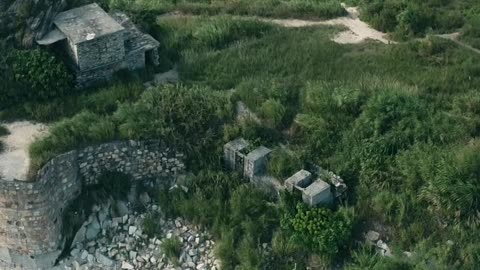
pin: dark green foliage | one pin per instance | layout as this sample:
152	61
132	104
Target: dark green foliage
190	118
415	18
33	75
3	132
471	31
320	229
103	101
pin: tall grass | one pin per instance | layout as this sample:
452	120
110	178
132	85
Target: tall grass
269	8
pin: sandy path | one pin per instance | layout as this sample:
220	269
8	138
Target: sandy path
358	31
14	162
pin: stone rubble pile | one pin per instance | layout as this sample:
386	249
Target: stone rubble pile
106	242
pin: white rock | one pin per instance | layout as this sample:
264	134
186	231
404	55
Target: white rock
372	236
126	265
132	230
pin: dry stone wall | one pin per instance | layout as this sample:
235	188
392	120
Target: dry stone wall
31	212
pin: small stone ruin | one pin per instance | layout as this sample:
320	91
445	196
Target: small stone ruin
316	187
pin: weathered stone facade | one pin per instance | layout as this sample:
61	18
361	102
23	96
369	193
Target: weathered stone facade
31	212
99	44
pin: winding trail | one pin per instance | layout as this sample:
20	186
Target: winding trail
358	31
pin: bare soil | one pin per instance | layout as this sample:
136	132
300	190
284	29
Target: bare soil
15	161
357	32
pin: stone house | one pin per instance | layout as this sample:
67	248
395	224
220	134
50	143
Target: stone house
98	44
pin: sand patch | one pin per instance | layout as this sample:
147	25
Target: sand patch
357	32
15	161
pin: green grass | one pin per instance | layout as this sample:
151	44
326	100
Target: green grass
267	8
407	19
171	248
103	101
398	122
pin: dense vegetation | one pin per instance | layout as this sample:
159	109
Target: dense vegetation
245	218
399	123
471	32
415	18
31	75
267	8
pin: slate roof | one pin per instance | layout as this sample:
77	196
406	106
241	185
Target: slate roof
134	38
86	23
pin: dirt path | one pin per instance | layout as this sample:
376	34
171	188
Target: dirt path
14	162
454	37
357	32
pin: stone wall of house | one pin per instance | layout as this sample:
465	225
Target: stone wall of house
101	51
135	60
95	76
31	212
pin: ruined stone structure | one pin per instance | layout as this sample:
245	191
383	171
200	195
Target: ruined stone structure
99	44
252	165
31	212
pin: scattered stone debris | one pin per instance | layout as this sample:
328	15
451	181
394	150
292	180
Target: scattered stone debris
106	241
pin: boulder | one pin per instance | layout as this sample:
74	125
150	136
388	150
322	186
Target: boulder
93	229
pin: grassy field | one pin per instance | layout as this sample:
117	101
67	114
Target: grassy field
268	8
398	122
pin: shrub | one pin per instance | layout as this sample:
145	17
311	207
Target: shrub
190	118
320	229
38	76
272	112
171	248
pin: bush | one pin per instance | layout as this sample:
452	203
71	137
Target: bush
272	112
37	75
189	118
320	229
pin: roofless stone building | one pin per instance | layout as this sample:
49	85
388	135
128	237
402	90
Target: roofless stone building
98	44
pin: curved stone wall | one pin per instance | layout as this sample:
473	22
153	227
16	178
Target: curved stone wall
31	212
